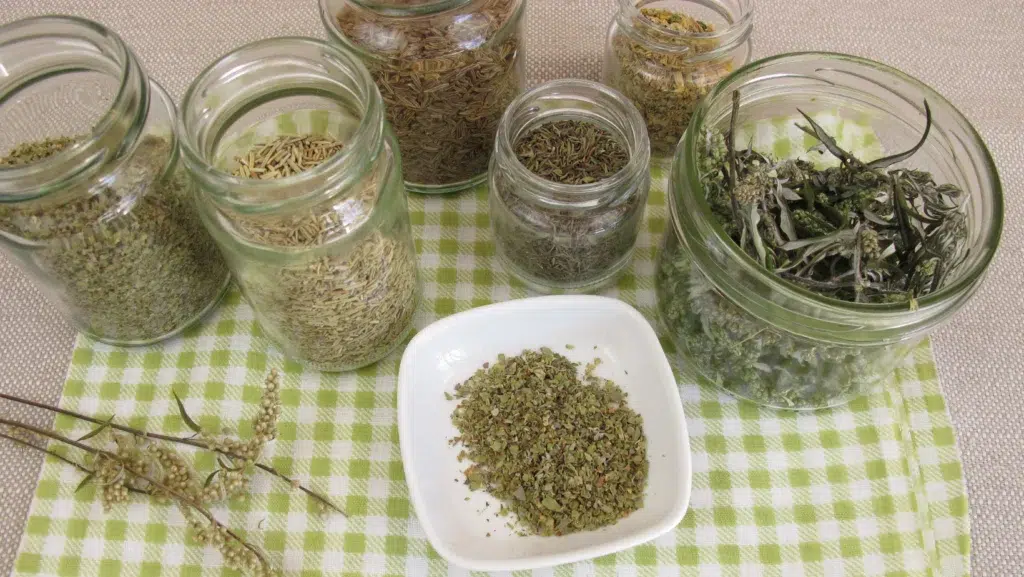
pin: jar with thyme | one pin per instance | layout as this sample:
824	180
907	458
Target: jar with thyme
93	204
665	55
446	70
568	185
855	236
299	180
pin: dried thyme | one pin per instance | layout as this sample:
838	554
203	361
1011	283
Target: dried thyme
445	83
665	84
567	246
131	266
563	455
571	152
341	310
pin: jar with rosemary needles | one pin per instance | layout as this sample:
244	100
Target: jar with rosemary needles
446	70
665	55
299	180
827	214
568	185
93	204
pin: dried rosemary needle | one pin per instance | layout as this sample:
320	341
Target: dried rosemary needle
347	307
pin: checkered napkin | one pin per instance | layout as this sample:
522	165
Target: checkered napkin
872	488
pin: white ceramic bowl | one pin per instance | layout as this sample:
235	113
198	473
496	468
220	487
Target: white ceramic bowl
456	520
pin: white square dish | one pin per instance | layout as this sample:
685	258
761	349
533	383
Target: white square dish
461	524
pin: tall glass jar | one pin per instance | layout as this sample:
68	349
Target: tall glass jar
568	237
446	69
324	256
92	203
763	338
665	55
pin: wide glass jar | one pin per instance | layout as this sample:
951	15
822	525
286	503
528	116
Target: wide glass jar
763	338
665	55
324	256
446	70
568	237
93	205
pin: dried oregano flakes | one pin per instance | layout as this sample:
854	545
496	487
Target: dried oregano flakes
564	454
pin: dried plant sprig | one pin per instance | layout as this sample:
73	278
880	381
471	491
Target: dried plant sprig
323	502
117	471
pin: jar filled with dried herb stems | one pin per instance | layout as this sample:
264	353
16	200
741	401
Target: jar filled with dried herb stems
447	69
93	204
299	180
568	185
665	55
864	253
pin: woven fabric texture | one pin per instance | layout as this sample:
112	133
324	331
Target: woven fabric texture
966	50
873	488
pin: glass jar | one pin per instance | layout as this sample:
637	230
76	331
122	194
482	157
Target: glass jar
564	237
447	69
93	206
325	256
665	55
760	337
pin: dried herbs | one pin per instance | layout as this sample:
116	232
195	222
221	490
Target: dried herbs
446	79
569	247
571	152
348	306
666	82
749	357
857	232
129	258
564	455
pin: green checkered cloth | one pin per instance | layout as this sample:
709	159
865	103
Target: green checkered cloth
872	488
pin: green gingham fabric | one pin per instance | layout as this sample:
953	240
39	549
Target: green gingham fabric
872	488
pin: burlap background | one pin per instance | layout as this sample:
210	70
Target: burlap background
969	51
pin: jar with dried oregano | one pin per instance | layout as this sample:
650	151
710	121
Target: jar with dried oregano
299	180
93	205
568	185
446	70
666	55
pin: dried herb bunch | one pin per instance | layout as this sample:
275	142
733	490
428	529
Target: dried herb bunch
666	84
857	232
132	266
124	461
445	78
564	455
568	246
343	309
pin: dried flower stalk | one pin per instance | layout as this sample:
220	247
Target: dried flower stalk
136	463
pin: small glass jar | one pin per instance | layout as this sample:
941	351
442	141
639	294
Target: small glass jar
562	237
93	205
763	338
665	55
325	256
447	69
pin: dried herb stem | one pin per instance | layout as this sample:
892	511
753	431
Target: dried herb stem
193	442
181	497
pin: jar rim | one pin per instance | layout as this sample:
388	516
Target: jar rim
398	8
918	313
331	172
576	195
113	134
740	27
